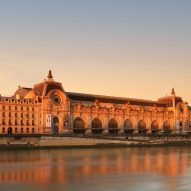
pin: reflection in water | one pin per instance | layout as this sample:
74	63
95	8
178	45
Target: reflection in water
158	168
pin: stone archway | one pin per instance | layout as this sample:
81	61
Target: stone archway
55	125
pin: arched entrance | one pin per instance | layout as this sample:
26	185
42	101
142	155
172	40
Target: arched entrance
96	126
128	126
113	127
10	131
142	127
55	125
79	126
154	126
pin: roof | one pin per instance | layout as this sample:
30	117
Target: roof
111	99
22	91
169	100
44	87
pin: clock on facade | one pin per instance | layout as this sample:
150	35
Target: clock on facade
57	100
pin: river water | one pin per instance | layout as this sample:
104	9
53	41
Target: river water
112	169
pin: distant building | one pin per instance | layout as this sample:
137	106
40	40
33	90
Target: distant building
47	108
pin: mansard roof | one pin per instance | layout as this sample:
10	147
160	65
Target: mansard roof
42	89
115	100
169	100
22	91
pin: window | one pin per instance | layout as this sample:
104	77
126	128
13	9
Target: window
3	122
10	122
3	114
15	107
33	115
21	108
9	107
16	122
3	130
33	131
15	129
22	122
9	114
27	130
21	130
3	107
33	122
28	122
21	114
15	114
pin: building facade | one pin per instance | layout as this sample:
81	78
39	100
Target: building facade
48	109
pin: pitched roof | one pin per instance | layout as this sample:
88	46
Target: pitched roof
115	100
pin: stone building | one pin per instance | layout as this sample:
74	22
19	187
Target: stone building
48	108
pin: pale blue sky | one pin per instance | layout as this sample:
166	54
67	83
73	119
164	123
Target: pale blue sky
130	48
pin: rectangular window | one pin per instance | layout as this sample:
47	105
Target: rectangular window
3	122
3	130
33	131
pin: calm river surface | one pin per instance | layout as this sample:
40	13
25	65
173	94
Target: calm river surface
132	169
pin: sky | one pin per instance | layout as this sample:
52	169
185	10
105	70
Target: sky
127	48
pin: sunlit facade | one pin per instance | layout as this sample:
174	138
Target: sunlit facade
48	108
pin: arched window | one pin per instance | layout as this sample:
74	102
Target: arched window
79	126
166	125
142	127
55	120
96	126
79	123
113	126
55	126
128	124
154	125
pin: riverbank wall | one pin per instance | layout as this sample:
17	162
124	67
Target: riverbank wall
9	142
